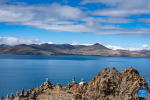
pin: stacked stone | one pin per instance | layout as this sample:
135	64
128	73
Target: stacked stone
7	98
82	80
47	83
73	80
17	94
22	92
78	90
12	96
59	87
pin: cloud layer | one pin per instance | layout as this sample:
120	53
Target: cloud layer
64	18
16	41
121	8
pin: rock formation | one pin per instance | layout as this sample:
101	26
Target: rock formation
7	98
112	85
12	96
106	85
17	94
22	92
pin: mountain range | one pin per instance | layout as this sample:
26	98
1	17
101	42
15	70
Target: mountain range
67	49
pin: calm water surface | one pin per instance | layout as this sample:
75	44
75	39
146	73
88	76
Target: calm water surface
25	71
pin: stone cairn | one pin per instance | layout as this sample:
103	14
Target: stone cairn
59	87
22	92
73	80
12	96
7	96
47	83
17	94
82	80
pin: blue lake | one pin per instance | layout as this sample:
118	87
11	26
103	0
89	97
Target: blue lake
28	71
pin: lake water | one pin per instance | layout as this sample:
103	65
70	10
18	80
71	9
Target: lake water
28	71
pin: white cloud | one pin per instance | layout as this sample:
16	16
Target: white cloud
55	17
20	40
75	43
4	1
145	20
121	8
49	42
115	47
90	27
108	2
87	44
122	4
146	47
107	20
122	48
119	12
44	13
126	4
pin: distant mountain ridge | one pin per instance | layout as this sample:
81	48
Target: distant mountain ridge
146	52
67	49
3	45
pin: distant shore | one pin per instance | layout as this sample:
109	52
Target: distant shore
67	49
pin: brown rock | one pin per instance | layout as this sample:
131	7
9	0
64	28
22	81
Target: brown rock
73	80
22	92
17	94
12	96
110	84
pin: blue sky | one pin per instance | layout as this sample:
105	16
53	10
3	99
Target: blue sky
117	24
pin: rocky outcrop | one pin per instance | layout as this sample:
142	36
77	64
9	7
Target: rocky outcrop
106	85
112	85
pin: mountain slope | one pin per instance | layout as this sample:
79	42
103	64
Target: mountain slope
23	50
67	49
3	45
146	52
